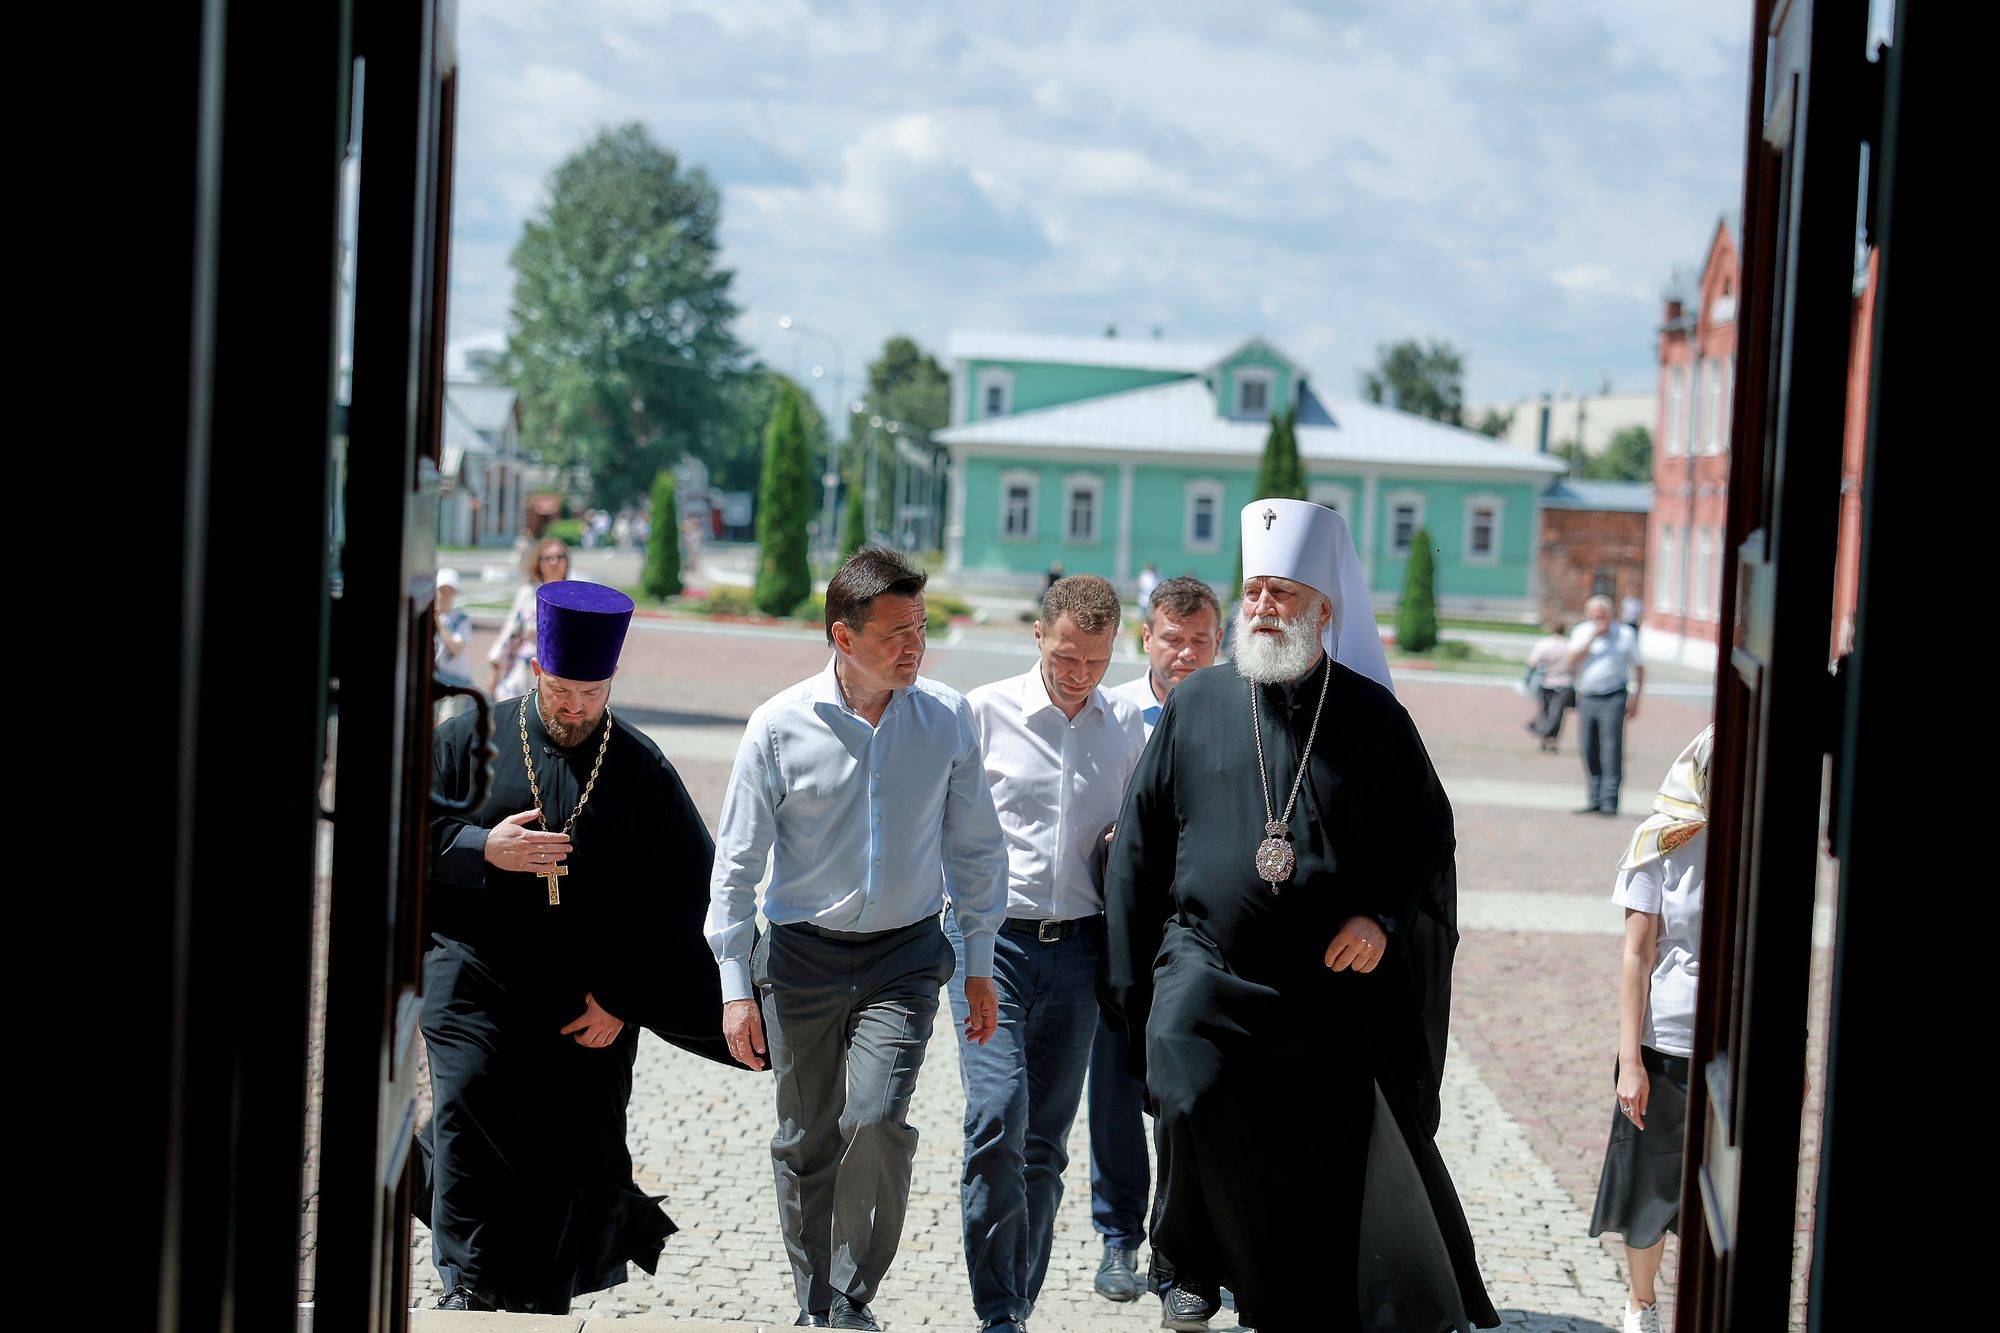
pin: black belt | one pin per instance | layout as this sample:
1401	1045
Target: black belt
854	936
1048	932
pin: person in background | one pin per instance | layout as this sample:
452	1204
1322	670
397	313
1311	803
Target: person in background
513	654
1659	885
1554	683
1604	655
453	664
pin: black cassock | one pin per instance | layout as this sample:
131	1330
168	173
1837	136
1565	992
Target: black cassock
526	1180
1297	1106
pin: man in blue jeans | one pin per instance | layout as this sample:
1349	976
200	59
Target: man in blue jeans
1058	751
1604	658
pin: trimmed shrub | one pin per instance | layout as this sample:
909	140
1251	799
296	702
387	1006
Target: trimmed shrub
662	577
1417	619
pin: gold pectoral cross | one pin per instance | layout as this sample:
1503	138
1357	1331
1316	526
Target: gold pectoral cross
552	874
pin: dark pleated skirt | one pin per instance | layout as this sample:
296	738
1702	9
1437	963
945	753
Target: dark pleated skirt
1639	1194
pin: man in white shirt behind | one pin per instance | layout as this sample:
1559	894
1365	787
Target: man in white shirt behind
864	789
1058	750
1181	633
1604	658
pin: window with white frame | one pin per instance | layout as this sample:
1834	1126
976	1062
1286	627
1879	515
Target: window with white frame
1712	417
1676	387
1083	504
1253	391
1692	415
1203	529
1482	530
1700	580
1715	573
1338	498
1406	515
1725	377
1666	583
1018	494
995	393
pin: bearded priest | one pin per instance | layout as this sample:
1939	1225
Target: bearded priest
564	914
1280	909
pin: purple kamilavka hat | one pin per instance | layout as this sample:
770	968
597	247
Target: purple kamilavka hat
580	628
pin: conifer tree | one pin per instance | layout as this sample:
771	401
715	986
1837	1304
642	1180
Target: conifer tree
784	506
662	577
1417	620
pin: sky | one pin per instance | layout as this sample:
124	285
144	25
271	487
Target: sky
1518	179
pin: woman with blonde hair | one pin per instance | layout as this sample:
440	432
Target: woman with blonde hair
1660	887
514	650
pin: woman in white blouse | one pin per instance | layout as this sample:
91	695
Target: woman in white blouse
1659	885
512	652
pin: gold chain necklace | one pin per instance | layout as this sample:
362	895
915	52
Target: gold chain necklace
1275	857
556	872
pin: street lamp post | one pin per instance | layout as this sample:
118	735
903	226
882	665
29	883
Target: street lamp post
829	480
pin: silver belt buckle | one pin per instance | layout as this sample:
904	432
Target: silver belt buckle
1048	932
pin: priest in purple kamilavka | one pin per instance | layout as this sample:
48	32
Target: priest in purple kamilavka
563	915
1281	917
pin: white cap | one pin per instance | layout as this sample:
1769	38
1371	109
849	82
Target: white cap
1310	544
447	578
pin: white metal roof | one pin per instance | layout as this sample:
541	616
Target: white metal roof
486	407
1180	418
1126	353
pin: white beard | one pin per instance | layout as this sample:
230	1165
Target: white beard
1273	661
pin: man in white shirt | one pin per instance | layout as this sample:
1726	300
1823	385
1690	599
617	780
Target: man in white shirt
1604	658
1181	633
1058	752
844	984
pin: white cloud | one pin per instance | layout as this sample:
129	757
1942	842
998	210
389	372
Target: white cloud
1515	178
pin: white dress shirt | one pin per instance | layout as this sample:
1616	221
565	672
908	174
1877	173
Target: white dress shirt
1609	660
1139	693
866	827
1670	888
1059	783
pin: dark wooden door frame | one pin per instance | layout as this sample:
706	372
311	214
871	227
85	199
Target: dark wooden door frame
383	661
1773	693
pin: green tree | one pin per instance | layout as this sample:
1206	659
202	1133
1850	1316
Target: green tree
735	455
1494	423
906	385
622	347
784	506
1429	381
1417	619
1628	457
662	576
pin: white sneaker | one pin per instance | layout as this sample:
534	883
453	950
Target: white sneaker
1645	1319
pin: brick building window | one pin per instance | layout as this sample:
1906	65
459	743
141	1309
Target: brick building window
1666	580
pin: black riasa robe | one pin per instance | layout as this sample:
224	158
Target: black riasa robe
1297	1105
526	1180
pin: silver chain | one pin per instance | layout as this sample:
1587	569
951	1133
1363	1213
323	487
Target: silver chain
1263	776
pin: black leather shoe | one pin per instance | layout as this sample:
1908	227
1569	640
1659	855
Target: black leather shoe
807	1319
1188	1306
846	1314
1116	1278
1002	1324
465	1298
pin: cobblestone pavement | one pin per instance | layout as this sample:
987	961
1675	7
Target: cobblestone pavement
1527	1096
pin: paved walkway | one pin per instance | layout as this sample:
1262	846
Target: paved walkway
1527	1089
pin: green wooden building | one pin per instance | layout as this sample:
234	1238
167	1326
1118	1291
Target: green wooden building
1107	454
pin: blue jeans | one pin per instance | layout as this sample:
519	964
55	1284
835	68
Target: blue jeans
1021	1093
1603	742
1120	1177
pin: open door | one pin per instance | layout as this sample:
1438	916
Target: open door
382	659
1774	695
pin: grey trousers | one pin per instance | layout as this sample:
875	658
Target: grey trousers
1603	745
847	1018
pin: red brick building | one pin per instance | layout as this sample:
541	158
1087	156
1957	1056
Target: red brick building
1685	559
1686	562
1593	543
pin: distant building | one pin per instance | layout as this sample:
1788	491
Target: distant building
483	498
1107	454
1697	347
1542	423
1593	543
